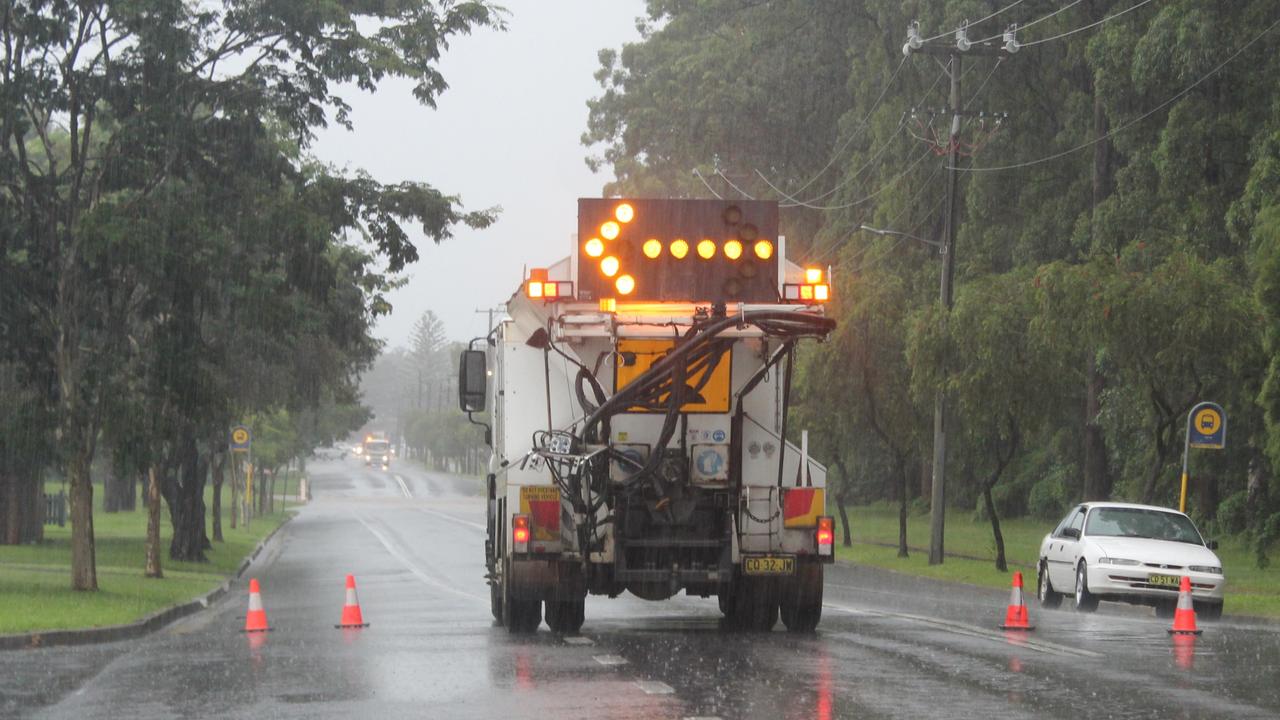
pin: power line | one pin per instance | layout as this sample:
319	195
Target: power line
741	192
1037	21
873	195
793	201
968	24
1086	27
1132	122
862	126
708	185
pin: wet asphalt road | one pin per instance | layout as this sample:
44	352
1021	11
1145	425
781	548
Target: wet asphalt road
888	646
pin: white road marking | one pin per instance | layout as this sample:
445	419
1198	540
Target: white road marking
403	487
450	518
610	660
424	577
579	640
972	631
653	687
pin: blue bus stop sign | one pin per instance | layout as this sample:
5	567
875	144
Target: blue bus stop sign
241	439
1207	427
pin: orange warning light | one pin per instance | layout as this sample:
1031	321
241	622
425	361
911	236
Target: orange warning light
706	249
625	284
679	248
625	213
733	249
594	248
610	230
609	266
764	249
652	248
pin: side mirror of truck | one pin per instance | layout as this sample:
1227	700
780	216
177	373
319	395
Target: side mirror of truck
472	381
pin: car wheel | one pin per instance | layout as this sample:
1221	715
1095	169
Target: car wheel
1049	598
1208	610
1085	600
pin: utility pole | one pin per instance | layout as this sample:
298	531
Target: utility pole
955	52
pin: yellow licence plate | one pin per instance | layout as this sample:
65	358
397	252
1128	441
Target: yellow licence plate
769	564
1169	580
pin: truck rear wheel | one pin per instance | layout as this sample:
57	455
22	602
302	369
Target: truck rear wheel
566	616
753	607
495	600
520	614
801	606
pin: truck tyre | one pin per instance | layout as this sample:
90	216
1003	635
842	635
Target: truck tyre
754	607
520	615
566	616
495	601
801	606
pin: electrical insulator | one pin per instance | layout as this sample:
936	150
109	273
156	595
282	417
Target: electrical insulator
1011	43
962	37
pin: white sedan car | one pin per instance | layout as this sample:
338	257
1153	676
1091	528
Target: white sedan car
1129	553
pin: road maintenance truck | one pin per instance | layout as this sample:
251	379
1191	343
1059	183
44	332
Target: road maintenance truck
635	398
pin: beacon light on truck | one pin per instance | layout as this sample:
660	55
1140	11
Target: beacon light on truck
812	290
691	250
538	287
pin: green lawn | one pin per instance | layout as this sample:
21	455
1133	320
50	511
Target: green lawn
1250	591
35	579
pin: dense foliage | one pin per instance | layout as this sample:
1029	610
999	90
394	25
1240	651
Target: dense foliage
1118	254
172	260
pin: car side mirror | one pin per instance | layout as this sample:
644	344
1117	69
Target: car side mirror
1212	544
472	381
1073	533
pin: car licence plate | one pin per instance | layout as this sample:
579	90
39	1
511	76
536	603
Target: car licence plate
769	564
1165	580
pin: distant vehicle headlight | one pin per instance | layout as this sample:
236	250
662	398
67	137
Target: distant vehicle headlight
1211	569
1117	561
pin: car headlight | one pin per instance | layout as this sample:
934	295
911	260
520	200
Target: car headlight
1117	561
1211	569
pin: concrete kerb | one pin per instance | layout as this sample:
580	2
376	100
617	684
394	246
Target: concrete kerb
145	626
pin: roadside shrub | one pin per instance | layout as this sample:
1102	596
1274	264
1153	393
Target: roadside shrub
1047	499
1233	513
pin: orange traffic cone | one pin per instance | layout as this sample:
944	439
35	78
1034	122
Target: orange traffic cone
351	617
256	619
1184	618
1016	618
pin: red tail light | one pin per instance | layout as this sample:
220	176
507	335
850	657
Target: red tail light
825	535
520	532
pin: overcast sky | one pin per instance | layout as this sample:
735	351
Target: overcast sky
506	133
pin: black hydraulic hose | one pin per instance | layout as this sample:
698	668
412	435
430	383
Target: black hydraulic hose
796	324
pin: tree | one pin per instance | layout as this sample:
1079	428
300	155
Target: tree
146	93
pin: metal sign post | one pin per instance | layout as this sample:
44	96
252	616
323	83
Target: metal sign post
1206	430
242	442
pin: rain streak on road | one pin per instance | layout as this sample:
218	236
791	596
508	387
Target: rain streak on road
888	646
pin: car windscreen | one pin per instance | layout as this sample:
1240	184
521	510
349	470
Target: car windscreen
377	448
1142	523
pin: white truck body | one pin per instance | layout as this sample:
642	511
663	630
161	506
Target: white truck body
727	508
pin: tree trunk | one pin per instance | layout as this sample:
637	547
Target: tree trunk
21	507
1097	485
1001	564
84	569
235	491
186	504
847	540
219	471
271	491
119	492
153	569
902	508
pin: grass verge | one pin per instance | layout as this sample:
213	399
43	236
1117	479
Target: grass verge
1250	591
35	580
